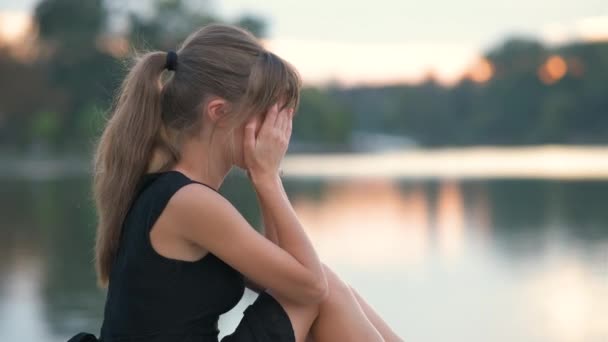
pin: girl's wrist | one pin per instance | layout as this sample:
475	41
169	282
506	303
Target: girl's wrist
265	180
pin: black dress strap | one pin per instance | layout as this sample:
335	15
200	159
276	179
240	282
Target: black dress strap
155	191
149	177
168	183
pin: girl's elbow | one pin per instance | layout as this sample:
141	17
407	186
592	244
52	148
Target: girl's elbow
320	290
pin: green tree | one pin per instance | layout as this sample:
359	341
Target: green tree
173	20
322	118
77	66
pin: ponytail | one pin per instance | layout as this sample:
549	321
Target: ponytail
124	152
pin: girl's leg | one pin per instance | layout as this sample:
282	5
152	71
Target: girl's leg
337	318
341	318
387	333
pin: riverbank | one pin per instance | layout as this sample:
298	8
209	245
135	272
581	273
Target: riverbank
546	162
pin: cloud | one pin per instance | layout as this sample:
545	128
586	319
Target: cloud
375	63
585	29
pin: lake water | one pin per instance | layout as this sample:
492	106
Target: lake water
501	260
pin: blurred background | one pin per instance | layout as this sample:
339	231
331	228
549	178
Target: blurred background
449	159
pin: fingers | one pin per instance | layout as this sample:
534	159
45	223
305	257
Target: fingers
280	123
278	120
287	115
249	136
257	121
289	124
271	117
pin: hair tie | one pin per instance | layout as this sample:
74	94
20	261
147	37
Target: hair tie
171	60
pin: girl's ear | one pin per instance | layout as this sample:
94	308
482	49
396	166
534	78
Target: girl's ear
217	108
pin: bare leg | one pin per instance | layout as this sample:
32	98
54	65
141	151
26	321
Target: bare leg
341	318
387	333
338	318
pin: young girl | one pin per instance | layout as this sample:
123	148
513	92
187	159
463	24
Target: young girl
174	253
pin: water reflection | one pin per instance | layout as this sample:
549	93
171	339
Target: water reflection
571	302
375	222
480	216
367	223
441	260
450	219
21	306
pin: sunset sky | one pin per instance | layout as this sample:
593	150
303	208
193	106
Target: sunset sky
381	41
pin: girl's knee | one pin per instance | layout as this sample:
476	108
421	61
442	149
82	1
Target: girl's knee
337	287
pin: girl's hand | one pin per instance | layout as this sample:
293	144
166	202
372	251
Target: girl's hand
263	154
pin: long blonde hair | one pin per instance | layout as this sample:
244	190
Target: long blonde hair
155	112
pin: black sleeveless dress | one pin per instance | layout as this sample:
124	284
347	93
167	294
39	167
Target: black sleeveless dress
156	299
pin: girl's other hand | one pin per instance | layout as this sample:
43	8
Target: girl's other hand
263	154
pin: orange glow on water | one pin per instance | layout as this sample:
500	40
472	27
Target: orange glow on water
450	219
369	223
376	223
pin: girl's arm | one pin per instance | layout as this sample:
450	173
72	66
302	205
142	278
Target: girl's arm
270	233
293	270
270	229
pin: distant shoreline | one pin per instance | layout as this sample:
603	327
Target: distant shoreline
534	162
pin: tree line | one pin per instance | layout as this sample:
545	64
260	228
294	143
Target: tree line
56	94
